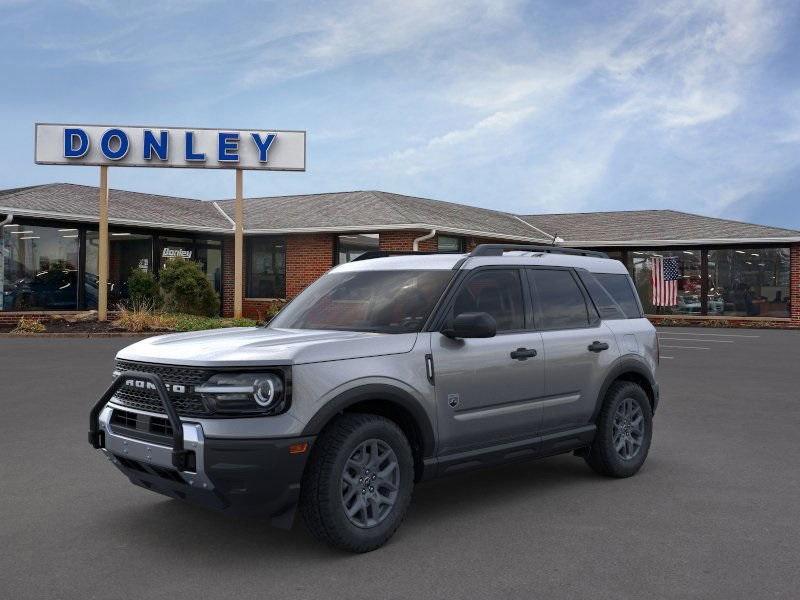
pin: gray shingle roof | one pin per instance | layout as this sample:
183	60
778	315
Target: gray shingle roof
81	201
364	211
374	210
650	226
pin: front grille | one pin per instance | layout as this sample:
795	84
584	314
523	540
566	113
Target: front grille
189	404
141	426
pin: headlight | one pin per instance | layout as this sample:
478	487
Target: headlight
244	393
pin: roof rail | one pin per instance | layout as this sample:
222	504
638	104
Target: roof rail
499	249
384	253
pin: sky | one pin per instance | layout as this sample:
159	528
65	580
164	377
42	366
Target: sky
528	107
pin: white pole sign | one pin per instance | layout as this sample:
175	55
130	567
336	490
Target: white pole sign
123	146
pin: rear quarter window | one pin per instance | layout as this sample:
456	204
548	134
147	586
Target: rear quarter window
616	300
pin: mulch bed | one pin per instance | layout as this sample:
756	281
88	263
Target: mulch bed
87	327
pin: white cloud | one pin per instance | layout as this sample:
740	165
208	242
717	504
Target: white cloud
476	143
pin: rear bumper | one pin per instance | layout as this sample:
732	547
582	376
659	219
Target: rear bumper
243	477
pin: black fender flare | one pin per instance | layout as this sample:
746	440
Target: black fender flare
625	365
377	392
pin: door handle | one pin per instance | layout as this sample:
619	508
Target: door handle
596	346
523	353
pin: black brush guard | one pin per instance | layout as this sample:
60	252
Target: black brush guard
179	455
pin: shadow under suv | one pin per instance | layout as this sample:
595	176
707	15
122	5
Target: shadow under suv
384	372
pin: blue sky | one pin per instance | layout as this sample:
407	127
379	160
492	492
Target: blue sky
529	107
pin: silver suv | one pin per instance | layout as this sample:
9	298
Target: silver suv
385	372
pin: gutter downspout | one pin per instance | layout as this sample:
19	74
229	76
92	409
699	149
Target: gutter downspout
427	236
7	220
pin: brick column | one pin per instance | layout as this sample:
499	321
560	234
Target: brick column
227	277
794	283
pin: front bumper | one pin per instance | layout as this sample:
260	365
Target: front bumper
245	477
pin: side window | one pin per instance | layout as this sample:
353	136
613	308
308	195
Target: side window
561	302
620	288
606	305
494	291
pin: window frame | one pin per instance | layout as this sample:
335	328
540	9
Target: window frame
248	271
440	313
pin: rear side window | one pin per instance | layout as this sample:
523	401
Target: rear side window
607	306
559	299
619	287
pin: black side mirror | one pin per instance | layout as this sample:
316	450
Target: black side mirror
472	325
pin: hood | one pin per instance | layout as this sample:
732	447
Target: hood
250	346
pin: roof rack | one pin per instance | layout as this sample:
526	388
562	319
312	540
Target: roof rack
499	249
384	253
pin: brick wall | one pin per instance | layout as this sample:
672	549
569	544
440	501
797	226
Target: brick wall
404	241
794	284
308	257
227	276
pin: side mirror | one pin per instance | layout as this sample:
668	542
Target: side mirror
472	325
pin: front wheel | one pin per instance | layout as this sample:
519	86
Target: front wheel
624	431
358	484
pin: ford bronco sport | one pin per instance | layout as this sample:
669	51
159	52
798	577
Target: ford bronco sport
385	372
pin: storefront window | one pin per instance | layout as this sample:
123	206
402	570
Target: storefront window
747	282
174	247
39	268
350	247
209	255
450	244
266	267
677	277
128	252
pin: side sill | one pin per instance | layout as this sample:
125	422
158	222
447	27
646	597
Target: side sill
529	448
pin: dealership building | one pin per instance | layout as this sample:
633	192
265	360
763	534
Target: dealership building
740	273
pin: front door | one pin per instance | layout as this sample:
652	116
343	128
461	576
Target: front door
484	395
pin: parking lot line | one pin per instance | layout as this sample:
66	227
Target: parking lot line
671	339
736	335
688	347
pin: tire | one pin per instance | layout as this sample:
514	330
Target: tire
605	455
334	482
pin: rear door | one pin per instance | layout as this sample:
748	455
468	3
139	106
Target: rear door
487	390
578	348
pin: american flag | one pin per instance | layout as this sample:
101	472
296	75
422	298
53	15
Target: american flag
665	280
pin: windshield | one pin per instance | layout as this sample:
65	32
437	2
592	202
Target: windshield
376	301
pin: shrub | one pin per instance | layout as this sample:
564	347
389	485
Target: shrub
143	289
186	290
26	325
195	323
141	317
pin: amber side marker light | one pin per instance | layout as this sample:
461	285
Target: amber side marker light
298	448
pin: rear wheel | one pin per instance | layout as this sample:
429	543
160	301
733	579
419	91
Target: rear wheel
624	431
358	484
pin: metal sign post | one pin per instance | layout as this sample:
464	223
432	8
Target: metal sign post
238	243
103	251
176	147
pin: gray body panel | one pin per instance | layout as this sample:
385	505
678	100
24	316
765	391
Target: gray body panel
498	400
574	375
483	396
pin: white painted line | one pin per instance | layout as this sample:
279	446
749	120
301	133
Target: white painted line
671	339
710	334
689	347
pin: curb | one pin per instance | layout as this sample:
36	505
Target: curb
81	335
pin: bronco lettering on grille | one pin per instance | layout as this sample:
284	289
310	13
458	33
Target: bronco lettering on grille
175	388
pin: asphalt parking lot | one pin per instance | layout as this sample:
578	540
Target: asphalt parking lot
713	514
